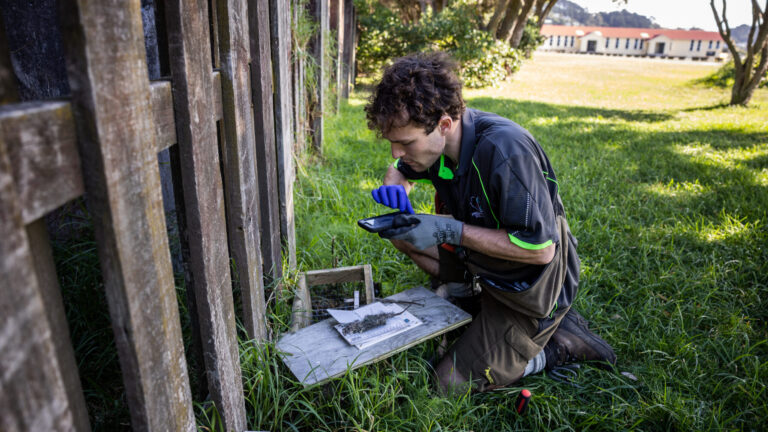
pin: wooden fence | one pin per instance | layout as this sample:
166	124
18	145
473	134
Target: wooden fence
226	115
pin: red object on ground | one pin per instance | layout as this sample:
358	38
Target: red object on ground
522	401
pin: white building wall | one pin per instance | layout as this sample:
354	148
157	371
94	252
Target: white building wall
584	43
561	44
653	46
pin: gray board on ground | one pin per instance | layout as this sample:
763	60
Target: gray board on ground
318	353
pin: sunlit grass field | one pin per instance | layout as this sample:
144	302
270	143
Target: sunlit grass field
667	193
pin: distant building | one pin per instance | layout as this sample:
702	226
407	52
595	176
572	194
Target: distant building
682	44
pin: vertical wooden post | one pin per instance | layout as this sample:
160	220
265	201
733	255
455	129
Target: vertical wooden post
33	394
280	26
190	61
40	386
348	57
264	126
300	95
240	162
110	100
319	11
336	24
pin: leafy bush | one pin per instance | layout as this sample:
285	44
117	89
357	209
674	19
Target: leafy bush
725	76
532	38
483	60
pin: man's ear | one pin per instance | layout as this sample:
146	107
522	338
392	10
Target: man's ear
444	124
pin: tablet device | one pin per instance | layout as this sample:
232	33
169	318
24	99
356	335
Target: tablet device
378	223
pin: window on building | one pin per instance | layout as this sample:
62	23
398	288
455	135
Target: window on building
617	43
691	48
710	45
606	42
635	43
626	45
642	42
698	46
558	41
571	40
717	46
551	40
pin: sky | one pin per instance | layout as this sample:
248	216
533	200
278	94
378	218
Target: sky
678	13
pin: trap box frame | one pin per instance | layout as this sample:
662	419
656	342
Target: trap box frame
318	353
302	302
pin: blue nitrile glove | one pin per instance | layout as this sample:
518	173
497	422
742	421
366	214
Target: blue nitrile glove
423	230
393	196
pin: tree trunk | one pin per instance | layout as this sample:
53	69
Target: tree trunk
517	33
498	14
507	25
745	84
747	76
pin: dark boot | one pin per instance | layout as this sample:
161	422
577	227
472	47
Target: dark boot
574	342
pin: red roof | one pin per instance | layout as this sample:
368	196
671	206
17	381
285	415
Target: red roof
624	32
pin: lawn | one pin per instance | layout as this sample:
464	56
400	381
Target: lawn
667	193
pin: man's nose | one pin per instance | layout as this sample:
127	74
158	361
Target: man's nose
397	151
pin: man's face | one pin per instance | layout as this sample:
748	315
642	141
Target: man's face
414	147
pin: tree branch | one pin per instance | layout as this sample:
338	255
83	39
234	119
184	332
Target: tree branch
725	33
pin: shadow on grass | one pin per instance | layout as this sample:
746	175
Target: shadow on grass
706	108
524	110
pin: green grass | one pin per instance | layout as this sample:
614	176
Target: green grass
667	192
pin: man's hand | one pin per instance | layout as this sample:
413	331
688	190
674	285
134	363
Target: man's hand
423	230
393	196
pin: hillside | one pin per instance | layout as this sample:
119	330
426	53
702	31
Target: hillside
569	13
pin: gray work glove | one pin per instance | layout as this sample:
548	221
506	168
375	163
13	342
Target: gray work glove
423	230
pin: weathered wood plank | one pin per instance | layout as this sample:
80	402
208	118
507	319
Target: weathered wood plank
264	127
118	153
318	44
348	57
301	124
240	163
301	310
368	279
42	146
39	385
336	23
318	353
279	19
205	221
337	275
161	96
50	292
33	392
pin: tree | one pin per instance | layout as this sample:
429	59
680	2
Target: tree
749	71
510	16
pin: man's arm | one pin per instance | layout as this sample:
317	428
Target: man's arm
496	243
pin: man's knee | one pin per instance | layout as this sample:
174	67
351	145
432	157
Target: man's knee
450	380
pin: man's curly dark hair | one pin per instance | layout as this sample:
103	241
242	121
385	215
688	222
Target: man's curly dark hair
416	89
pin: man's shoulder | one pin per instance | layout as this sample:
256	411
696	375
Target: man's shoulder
500	137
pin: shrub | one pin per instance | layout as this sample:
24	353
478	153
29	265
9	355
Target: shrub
725	76
483	60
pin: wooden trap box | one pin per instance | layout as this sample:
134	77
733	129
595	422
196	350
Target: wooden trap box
317	353
303	301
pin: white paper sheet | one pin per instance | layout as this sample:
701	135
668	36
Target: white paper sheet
397	324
